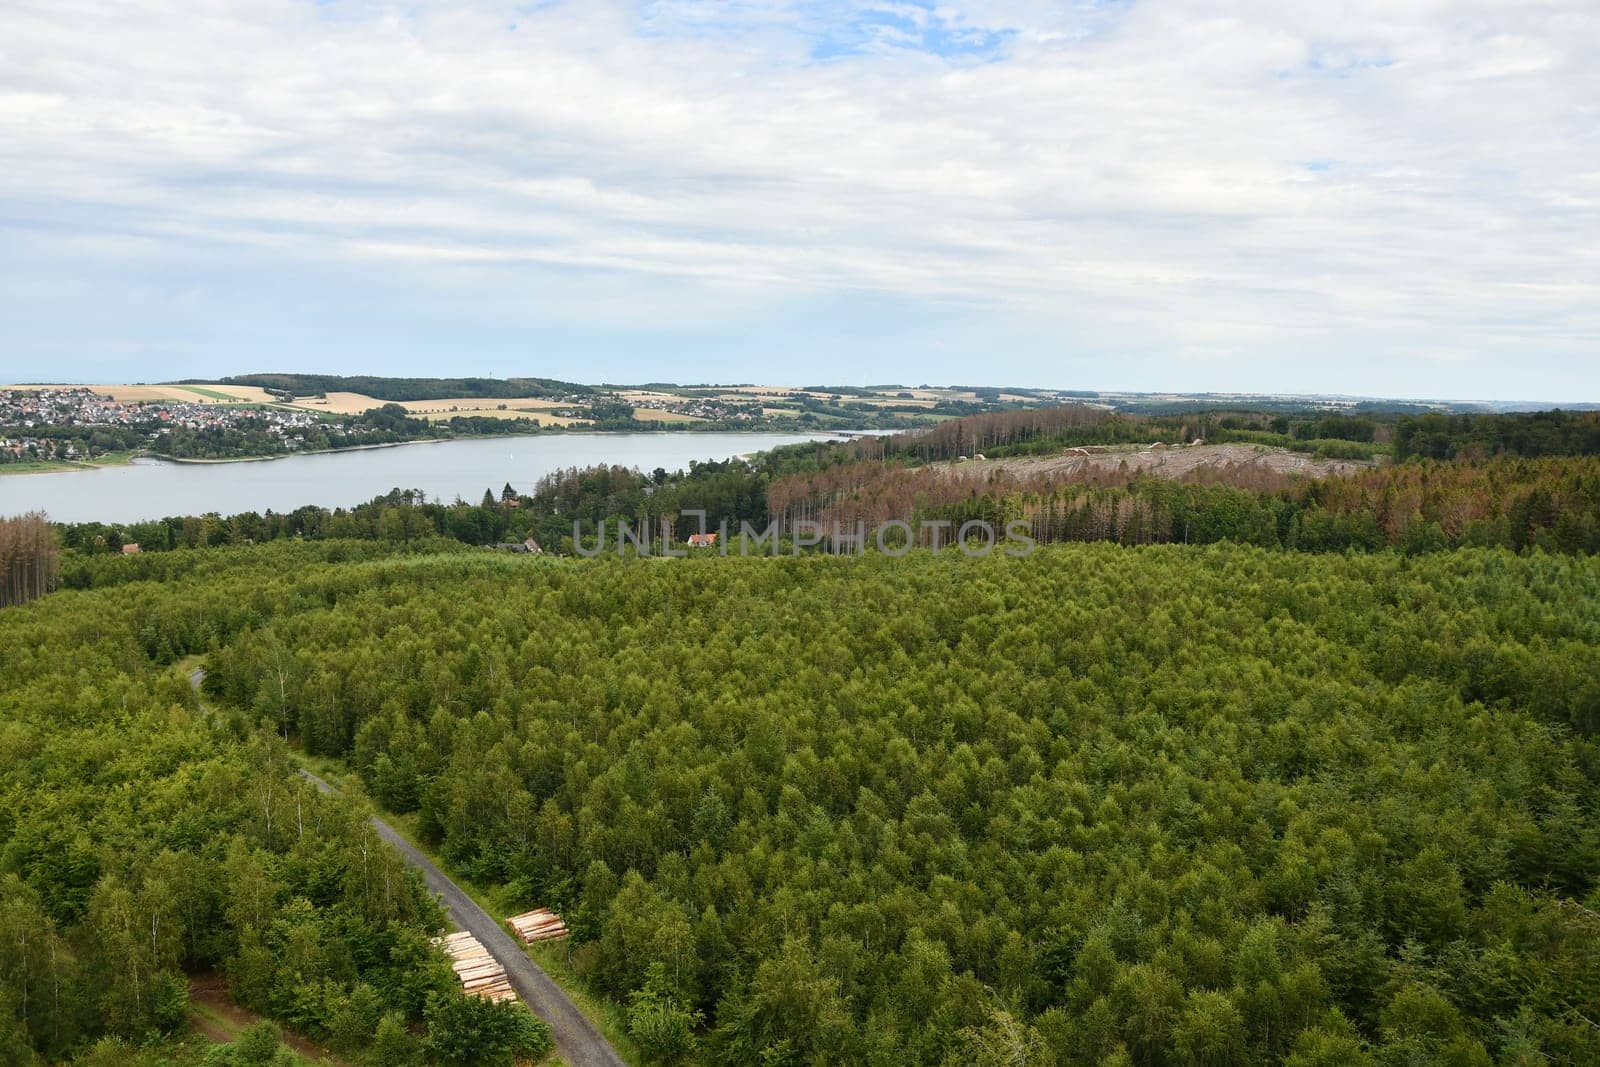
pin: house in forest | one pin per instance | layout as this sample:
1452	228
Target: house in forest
530	546
702	540
130	549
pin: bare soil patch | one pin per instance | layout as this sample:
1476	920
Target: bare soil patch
1177	462
214	1015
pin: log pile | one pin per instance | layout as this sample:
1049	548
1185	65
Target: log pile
480	973
540	924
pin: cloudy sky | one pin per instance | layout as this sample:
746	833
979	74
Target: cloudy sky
1394	197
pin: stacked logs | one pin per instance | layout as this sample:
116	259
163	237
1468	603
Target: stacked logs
540	924
480	973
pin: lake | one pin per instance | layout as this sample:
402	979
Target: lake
444	470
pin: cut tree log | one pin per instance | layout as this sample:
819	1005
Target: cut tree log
541	924
479	973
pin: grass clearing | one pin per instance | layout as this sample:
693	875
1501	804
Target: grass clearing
210	394
49	466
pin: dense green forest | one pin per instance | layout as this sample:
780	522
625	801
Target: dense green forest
1537	433
1154	805
1239	783
146	839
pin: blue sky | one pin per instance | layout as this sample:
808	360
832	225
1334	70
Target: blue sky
1396	198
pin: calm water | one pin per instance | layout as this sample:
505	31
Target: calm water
153	489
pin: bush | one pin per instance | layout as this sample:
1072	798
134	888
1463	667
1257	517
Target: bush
474	1032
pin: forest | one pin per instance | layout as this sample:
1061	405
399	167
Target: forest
1545	498
1552	503
1151	805
30	559
1537	433
148	841
1236	768
1045	430
1357	435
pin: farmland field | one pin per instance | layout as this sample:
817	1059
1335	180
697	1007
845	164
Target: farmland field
210	393
657	415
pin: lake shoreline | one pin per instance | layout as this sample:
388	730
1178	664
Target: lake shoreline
66	466
69	466
151	488
202	461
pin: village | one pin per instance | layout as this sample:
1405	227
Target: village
711	409
47	412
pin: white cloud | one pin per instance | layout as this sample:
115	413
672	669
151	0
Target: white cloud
1407	177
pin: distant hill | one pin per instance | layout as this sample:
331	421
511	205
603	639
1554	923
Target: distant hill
402	389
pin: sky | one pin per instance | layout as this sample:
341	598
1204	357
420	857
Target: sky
1369	197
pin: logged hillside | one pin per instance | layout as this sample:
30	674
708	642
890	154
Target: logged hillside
1047	430
1155	805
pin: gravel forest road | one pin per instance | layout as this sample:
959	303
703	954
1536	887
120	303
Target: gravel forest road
579	1043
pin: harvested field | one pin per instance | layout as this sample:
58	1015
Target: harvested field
638	396
339	403
760	390
656	415
444	410
479	405
1177	462
545	418
205	393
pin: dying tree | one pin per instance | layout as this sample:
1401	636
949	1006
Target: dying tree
30	561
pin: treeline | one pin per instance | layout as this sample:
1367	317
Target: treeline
30	561
1157	806
145	838
1329	435
71	442
402	389
1549	503
734	490
390	424
1528	434
1039	431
